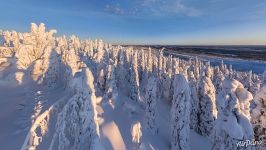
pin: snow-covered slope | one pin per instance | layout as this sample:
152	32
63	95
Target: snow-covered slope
66	93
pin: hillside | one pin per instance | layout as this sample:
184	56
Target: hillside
67	93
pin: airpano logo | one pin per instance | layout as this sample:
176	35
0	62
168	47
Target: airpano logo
253	142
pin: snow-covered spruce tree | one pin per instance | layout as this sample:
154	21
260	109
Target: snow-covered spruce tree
155	70
74	43
88	50
149	61
144	77
165	83
33	46
114	55
169	65
175	70
183	68
248	81
258	113
224	69
107	57
122	70
150	103
101	79
194	120
52	73
166	87
207	104
230	72
175	66
91	51
218	79
42	57
233	122
180	114
160	63
99	51
255	87
142	64
6	38
111	92
109	70
208	70
72	60
11	41
77	126
134	93
196	70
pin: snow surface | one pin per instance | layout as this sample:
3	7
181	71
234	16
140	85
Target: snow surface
17	107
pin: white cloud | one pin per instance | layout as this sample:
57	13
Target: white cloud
154	8
189	11
114	9
147	2
166	7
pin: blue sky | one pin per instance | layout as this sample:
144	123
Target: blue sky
144	21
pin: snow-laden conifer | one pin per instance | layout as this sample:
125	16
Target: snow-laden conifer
134	92
111	92
180	114
77	125
194	119
218	79
258	113
233	122
207	103
150	104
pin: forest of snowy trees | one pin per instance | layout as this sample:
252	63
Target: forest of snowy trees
217	102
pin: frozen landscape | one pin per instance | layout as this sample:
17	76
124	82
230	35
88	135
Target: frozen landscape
59	92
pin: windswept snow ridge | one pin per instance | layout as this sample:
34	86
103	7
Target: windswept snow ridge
93	95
